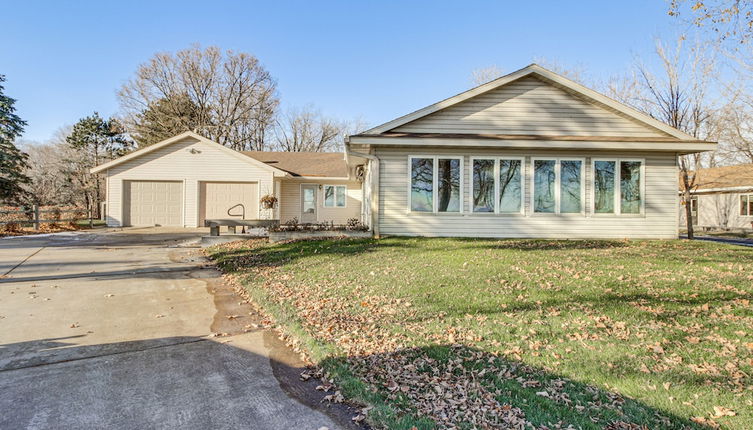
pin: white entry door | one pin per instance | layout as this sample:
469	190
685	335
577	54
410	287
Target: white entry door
308	203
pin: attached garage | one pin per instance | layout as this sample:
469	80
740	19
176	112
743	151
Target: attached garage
218	198
183	180
153	203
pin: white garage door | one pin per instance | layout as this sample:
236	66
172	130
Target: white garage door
218	197
150	203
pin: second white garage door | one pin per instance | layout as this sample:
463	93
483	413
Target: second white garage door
218	197
150	203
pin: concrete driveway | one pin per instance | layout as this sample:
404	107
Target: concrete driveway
131	329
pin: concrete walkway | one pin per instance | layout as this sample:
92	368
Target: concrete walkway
127	329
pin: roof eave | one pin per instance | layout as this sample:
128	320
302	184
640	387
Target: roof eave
680	147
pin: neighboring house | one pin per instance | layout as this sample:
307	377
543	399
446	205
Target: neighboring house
531	154
186	179
722	198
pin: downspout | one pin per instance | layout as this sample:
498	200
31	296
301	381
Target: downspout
373	164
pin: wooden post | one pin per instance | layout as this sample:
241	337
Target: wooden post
36	217
91	220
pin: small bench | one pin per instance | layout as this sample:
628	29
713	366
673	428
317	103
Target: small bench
214	224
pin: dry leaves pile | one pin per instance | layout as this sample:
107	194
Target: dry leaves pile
391	345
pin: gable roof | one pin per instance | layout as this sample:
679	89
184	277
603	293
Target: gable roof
167	142
546	75
311	164
724	178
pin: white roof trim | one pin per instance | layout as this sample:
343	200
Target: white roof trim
721	189
533	69
178	138
679	146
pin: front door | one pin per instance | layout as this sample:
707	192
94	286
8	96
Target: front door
308	203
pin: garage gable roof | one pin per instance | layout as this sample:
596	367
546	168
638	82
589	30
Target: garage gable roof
167	142
540	72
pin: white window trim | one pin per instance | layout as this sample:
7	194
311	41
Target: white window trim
747	204
434	187
617	188
558	186
324	196
497	187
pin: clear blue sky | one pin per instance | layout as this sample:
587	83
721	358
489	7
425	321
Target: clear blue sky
373	60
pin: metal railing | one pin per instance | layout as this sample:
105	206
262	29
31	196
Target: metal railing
34	216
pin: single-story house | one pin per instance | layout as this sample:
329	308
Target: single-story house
722	198
186	179
531	154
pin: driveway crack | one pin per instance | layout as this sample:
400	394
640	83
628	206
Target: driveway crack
114	353
22	261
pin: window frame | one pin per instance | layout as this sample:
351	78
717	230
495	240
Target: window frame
324	196
523	188
558	186
618	187
749	198
435	185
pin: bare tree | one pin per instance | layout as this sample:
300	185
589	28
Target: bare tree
485	74
575	72
736	133
233	98
48	184
677	94
729	20
306	129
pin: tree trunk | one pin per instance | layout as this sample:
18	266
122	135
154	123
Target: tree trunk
686	197
688	214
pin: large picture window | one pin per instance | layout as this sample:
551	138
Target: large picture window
571	186
422	184
497	185
618	187
746	205
604	187
510	186
335	196
544	186
557	186
436	184
483	185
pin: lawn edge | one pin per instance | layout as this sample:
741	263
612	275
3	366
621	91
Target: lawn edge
321	355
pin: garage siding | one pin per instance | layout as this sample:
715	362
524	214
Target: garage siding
189	161
660	220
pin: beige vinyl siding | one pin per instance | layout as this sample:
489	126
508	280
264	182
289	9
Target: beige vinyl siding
719	210
529	106
290	204
658	221
191	162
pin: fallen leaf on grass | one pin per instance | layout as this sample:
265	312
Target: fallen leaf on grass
721	411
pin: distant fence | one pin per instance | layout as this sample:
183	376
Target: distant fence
38	215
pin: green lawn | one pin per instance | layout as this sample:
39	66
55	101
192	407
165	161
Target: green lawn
518	333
